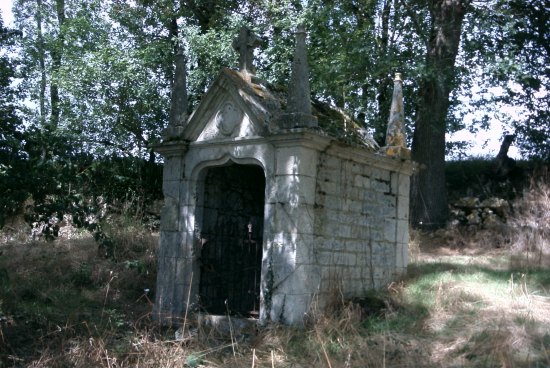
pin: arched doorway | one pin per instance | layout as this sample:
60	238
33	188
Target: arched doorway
232	239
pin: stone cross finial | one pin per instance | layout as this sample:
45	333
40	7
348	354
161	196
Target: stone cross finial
245	44
298	111
396	141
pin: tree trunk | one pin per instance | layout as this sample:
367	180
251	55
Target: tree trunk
57	53
429	207
41	62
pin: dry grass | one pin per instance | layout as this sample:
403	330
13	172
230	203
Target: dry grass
487	291
65	306
468	300
60	300
452	310
531	222
480	315
525	236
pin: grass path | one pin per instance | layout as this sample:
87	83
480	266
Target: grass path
483	310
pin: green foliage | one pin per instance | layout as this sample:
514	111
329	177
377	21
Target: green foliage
476	177
468	175
112	66
208	52
508	40
526	50
78	184
193	361
11	131
366	44
410	318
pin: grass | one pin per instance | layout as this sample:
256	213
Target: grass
480	312
64	306
59	298
462	303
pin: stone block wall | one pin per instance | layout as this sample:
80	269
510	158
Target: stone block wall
361	225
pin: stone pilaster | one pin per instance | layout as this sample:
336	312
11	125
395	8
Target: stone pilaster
290	279
172	252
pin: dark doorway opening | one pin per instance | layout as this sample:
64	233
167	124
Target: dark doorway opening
232	229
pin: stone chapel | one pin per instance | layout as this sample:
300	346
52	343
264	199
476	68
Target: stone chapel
272	202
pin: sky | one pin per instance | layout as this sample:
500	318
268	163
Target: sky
483	143
5	6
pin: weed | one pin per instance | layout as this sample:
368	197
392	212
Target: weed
82	277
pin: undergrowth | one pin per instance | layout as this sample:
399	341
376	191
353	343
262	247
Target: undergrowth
55	294
466	304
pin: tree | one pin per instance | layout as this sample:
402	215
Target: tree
11	131
367	44
512	43
529	43
428	192
100	74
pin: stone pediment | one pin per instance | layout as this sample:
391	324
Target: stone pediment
233	107
238	105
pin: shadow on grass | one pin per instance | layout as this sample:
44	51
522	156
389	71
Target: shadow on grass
409	309
499	347
433	306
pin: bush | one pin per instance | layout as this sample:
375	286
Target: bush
475	177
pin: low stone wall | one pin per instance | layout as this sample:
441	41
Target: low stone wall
491	212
